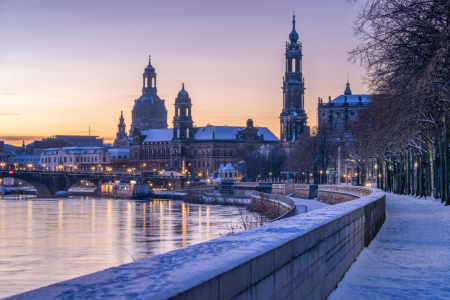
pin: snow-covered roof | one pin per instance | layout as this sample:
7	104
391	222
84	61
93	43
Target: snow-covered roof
206	133
27	159
157	135
75	150
229	133
230	167
354	99
119	151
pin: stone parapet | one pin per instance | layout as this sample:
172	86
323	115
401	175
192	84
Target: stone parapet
301	257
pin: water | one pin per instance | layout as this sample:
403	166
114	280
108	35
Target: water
44	241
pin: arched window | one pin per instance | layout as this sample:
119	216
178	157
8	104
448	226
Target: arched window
136	153
65	159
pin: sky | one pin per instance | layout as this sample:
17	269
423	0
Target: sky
68	65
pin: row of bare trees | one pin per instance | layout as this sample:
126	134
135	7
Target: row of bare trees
404	134
262	162
405	47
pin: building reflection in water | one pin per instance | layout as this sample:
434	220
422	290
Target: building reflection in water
71	237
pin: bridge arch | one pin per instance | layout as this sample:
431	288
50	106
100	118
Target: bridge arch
41	188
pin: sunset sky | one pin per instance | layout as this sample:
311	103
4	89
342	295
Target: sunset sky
67	64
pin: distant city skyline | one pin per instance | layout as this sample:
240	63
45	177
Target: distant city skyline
65	66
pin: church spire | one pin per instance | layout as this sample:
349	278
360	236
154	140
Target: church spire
293	36
347	89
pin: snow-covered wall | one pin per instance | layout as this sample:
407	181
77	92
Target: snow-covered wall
304	256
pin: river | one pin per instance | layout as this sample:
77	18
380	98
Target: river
44	241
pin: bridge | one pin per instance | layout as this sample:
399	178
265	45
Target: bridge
48	184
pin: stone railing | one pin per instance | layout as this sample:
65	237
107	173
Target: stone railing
291	207
301	191
283	189
301	257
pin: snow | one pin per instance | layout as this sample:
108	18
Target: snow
350	99
229	133
157	135
310	204
408	259
164	276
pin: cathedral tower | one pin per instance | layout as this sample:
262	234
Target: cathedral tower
293	117
121	135
182	121
149	111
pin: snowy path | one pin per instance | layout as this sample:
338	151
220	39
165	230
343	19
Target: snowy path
408	259
310	204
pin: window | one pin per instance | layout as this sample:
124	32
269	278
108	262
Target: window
203	163
207	163
71	159
225	174
54	159
125	157
77	159
104	158
85	159
176	164
195	163
65	159
96	159
88	158
231	152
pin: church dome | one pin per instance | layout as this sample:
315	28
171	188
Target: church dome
149	69
183	93
293	36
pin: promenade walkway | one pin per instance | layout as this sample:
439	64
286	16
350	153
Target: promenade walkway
408	259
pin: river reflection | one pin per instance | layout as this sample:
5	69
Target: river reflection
44	241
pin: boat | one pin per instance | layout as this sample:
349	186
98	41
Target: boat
130	190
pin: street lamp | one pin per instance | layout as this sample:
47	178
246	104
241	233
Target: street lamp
3	165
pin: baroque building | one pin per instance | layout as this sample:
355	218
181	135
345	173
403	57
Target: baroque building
293	117
193	150
339	112
149	111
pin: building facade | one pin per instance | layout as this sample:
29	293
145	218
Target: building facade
338	113
149	111
74	159
293	117
193	150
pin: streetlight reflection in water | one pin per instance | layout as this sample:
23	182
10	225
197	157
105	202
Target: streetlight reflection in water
44	241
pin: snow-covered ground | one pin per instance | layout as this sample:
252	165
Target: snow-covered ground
310	204
408	259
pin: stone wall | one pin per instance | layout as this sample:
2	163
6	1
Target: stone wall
301	257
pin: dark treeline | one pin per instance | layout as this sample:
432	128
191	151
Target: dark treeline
262	162
405	46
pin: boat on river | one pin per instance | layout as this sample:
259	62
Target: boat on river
130	190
